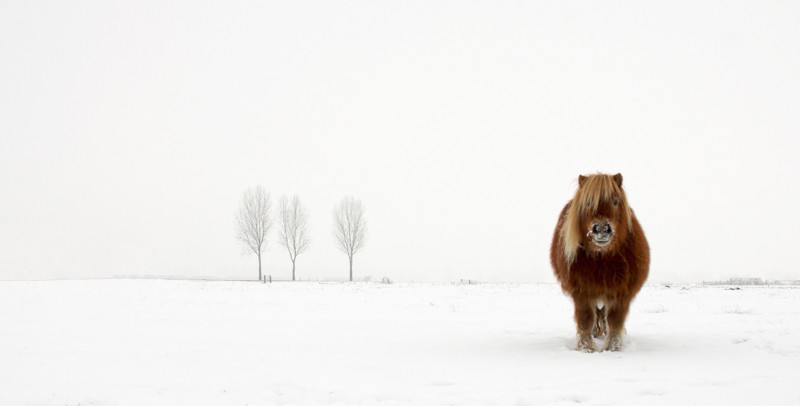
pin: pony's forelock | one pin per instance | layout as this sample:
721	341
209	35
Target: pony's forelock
592	191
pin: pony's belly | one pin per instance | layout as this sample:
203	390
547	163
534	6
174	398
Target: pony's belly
600	302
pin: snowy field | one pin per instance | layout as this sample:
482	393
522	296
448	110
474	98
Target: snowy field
144	342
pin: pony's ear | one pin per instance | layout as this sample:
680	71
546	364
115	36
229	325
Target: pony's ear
618	179
581	179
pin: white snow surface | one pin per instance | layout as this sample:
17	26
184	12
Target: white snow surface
156	342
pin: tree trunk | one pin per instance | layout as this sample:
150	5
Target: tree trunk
259	267
351	269
293	270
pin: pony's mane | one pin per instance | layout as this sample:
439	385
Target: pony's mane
593	190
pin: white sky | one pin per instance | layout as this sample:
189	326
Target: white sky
129	130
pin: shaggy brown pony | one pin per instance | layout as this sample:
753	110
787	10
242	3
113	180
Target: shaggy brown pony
601	257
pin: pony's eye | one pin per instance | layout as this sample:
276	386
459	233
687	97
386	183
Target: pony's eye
616	202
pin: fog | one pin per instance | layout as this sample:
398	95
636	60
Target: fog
129	131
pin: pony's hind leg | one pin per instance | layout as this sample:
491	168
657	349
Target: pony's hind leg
600	326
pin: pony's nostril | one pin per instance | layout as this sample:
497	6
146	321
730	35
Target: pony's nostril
607	228
594	228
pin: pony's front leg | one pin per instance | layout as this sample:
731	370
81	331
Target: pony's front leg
585	319
616	315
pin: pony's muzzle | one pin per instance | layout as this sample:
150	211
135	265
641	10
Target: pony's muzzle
601	232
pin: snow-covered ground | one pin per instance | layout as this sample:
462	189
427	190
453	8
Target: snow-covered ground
137	342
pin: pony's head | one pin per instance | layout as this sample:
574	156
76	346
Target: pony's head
599	218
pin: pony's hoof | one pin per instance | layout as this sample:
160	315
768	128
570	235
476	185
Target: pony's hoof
614	344
585	345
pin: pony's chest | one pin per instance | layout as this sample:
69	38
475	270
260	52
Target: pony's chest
603	266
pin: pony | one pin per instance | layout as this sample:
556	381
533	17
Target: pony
600	257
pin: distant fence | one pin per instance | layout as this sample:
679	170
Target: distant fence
752	282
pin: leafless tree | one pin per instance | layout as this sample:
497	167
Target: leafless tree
293	218
349	227
254	221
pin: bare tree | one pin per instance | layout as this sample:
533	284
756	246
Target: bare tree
293	218
349	228
254	221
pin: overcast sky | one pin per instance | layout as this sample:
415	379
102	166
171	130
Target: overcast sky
130	129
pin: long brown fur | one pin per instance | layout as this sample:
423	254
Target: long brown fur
602	280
